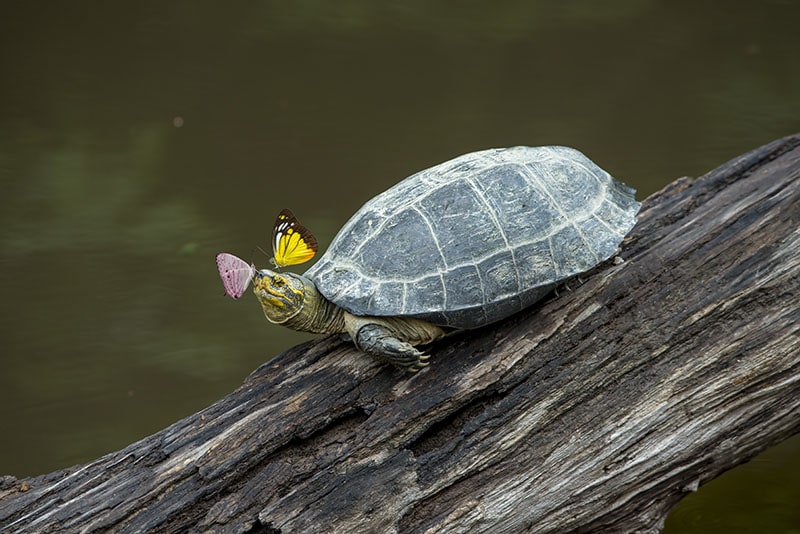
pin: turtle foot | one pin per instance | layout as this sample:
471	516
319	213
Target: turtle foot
379	342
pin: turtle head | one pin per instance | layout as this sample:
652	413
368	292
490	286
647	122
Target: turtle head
293	300
282	295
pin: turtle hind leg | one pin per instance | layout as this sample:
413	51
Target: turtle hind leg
379	341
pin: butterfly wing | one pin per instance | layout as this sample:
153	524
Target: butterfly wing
235	274
292	243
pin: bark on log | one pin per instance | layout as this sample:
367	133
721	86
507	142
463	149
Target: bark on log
593	412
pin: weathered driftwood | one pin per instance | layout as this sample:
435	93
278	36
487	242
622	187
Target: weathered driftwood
596	411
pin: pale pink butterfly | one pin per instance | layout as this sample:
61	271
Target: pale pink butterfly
235	273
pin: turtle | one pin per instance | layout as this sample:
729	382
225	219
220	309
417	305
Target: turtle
460	245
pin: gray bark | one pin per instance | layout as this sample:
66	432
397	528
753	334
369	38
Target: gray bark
595	411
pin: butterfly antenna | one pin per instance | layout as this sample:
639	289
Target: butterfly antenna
253	253
271	259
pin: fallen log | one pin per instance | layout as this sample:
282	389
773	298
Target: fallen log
595	411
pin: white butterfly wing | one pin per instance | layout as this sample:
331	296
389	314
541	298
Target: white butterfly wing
235	274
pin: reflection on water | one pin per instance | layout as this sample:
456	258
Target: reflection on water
136	142
760	496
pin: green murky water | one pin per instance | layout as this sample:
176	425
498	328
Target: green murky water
136	141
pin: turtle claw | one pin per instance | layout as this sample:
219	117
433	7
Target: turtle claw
422	362
379	341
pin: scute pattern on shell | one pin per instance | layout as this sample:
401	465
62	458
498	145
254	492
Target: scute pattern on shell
477	238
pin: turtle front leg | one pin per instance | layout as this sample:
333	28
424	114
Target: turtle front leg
379	341
392	339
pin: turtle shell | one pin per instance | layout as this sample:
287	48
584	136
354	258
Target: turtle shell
477	238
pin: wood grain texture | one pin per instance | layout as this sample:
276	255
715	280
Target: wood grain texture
595	411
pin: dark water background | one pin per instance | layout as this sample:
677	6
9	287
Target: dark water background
139	139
